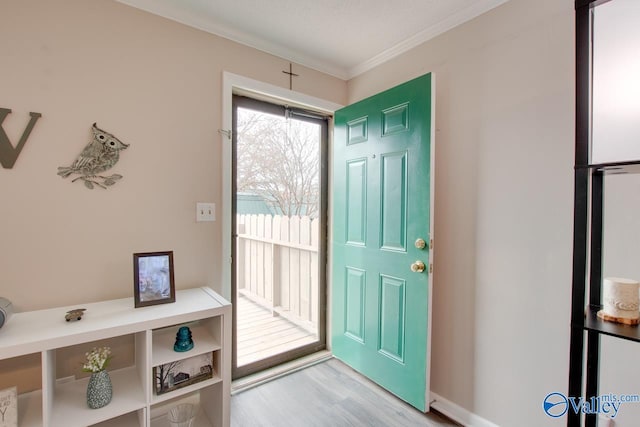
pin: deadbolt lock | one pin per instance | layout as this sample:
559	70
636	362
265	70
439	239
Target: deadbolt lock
420	243
418	267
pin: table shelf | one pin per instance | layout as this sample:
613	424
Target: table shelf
64	403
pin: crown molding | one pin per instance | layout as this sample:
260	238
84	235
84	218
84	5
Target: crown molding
200	23
290	55
425	35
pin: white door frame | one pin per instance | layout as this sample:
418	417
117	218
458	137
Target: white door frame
234	82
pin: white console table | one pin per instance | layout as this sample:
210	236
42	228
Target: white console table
63	403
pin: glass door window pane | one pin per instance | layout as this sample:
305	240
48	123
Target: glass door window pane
278	247
616	85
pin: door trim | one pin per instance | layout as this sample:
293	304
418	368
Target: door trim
432	242
234	82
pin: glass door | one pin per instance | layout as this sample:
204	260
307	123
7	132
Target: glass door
279	242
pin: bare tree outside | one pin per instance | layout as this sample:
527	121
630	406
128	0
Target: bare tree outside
279	159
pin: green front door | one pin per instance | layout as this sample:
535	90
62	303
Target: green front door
382	206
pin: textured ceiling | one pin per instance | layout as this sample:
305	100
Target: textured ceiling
340	37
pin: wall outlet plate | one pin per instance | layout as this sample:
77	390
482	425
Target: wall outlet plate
205	212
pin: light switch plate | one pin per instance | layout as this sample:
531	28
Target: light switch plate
205	212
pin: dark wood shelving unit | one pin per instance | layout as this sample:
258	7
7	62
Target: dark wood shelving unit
586	327
593	323
613	168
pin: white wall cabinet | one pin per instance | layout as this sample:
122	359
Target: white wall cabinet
62	401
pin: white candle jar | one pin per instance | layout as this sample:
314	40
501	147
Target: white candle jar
620	298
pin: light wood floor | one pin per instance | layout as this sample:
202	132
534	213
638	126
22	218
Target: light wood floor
261	334
329	394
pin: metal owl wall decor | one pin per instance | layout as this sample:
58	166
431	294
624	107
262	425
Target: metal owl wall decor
99	155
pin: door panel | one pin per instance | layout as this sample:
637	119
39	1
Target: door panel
356	209
382	204
394	201
354	307
392	317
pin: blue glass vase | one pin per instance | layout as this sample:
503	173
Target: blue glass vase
184	342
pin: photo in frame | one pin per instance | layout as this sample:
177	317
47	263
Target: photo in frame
9	407
153	278
181	373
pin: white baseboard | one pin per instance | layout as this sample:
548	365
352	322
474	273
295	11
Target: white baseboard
457	413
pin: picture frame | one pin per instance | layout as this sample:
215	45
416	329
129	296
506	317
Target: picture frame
9	407
153	280
184	372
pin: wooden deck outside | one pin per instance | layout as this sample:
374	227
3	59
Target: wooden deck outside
262	334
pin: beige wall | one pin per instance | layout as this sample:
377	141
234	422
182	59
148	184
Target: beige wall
155	84
504	204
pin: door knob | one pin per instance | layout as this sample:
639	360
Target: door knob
418	267
420	243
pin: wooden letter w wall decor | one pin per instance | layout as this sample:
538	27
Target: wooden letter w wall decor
9	155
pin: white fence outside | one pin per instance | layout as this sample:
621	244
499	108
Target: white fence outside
277	265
